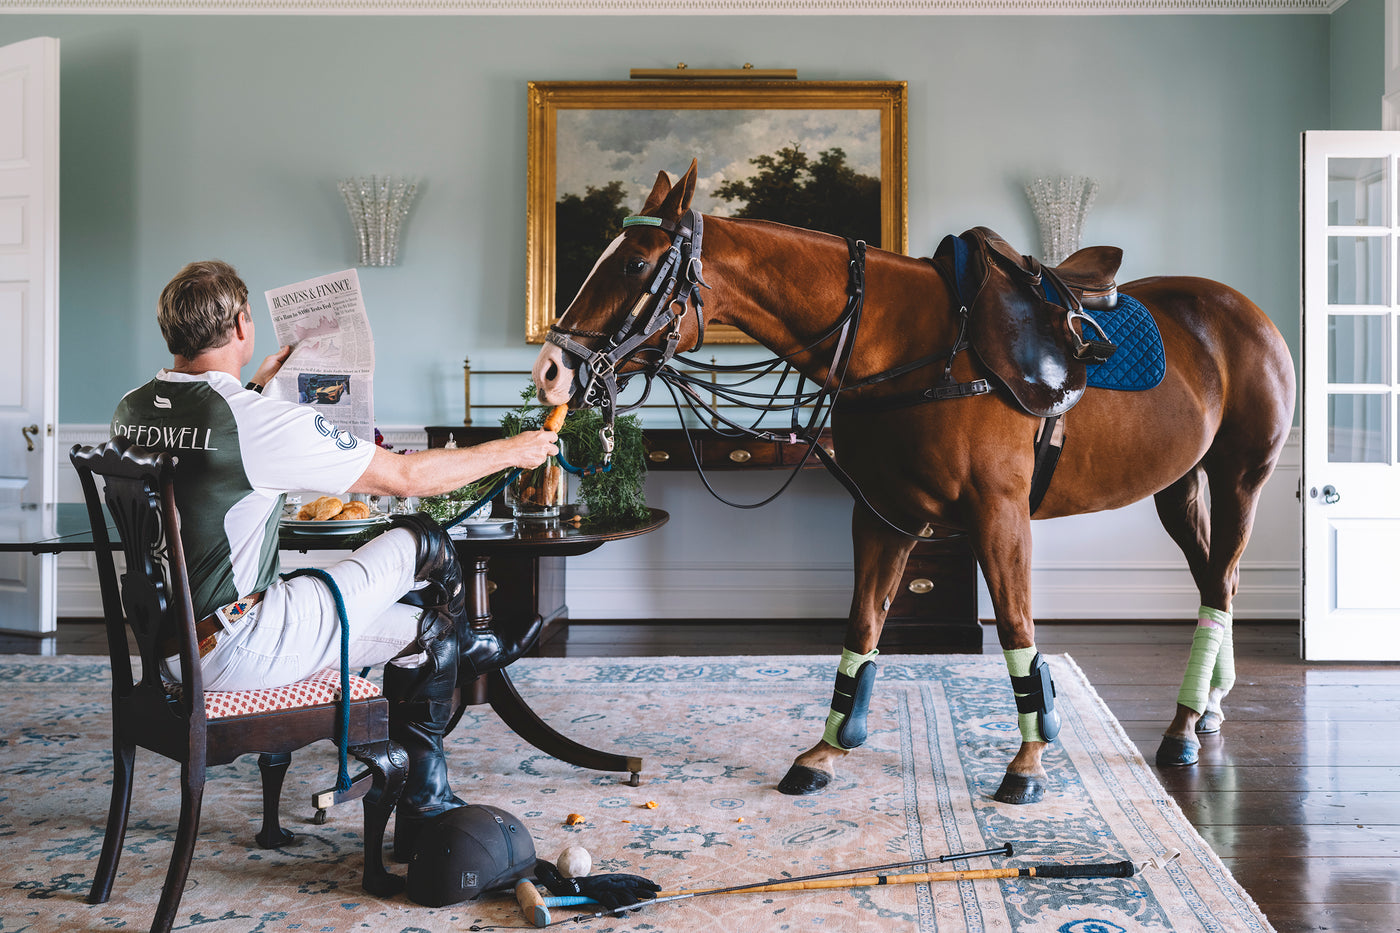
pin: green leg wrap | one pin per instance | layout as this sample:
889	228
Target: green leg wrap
1223	677
1035	694
1205	652
850	701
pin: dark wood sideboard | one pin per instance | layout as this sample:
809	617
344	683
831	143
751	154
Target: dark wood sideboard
935	611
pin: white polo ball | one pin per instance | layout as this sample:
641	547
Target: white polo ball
574	862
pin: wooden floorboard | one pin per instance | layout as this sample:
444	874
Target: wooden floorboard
1299	795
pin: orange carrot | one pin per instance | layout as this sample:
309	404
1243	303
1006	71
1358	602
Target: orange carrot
555	421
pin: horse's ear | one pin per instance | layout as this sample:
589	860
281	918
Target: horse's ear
678	199
658	193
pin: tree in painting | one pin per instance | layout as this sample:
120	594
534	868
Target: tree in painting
825	194
586	226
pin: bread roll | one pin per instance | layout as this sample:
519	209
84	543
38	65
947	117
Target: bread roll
353	510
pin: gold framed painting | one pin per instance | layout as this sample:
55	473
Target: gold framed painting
827	155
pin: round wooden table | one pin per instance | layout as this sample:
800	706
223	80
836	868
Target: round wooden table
533	541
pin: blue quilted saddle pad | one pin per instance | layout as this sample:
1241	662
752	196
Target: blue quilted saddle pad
1140	362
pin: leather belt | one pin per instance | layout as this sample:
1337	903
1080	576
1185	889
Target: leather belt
207	629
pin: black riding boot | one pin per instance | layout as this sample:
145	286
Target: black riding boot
482	649
420	710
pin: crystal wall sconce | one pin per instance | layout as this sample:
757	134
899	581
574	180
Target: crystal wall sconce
1060	206
378	207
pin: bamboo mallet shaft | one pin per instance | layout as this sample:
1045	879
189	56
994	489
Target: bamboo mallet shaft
1106	870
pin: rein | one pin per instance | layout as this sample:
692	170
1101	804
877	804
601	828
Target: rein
671	291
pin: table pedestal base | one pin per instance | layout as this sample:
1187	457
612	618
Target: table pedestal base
497	690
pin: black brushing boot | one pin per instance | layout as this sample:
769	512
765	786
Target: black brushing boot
420	710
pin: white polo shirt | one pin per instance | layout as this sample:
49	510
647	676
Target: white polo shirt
239	454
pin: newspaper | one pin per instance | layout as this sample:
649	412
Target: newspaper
332	361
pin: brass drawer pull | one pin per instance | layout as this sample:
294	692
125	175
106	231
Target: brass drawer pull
921	585
659	456
740	456
490	587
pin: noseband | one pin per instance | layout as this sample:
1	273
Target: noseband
671	291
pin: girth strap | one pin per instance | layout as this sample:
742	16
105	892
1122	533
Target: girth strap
1049	441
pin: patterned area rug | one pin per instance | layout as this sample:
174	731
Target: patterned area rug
717	734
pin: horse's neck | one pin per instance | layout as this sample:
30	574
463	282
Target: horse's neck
786	288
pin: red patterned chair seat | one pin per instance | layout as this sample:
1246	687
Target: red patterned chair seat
320	687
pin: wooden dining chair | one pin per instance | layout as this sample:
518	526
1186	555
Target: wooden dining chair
187	723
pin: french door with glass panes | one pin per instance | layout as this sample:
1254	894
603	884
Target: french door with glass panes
1351	396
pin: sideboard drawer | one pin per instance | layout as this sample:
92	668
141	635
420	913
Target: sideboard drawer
669	451
938	581
935	605
722	453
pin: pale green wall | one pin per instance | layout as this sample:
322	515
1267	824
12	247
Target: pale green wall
190	137
1357	59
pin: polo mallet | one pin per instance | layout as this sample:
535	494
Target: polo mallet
535	906
1103	870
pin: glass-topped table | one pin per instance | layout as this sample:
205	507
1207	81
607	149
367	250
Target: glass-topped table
47	529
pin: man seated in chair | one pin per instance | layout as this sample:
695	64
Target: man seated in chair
239	454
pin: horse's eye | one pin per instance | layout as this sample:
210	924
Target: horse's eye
635	266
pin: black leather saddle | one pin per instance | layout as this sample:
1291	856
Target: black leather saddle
1028	322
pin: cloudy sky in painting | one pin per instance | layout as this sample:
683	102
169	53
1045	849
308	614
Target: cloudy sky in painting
595	147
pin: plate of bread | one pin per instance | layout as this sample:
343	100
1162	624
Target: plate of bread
328	515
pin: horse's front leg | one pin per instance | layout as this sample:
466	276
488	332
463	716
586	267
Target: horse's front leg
1003	545
880	555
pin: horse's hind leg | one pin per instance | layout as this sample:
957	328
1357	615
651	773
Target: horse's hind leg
1213	548
1185	515
880	555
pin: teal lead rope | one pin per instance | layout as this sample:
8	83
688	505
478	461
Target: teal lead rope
342	739
491	493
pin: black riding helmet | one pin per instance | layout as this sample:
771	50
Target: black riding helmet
466	852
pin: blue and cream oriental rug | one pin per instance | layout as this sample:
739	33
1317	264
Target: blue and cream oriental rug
716	734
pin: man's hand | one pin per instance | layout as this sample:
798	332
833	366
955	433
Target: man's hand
529	449
271	366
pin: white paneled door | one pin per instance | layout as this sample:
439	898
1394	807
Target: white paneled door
28	322
1351	396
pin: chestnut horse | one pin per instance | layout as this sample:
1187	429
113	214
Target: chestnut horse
1215	424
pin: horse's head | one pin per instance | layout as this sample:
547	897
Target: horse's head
635	309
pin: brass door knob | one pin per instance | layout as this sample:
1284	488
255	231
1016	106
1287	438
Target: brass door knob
659	456
921	585
740	456
30	433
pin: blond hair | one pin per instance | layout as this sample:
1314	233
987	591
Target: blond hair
199	306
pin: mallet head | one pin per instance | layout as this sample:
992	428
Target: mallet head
532	906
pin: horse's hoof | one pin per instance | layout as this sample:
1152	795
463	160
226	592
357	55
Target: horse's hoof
1175	752
1209	723
1019	789
802	780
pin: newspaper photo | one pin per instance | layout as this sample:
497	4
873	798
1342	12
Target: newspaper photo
332	361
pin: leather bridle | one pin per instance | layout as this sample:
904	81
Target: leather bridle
671	291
